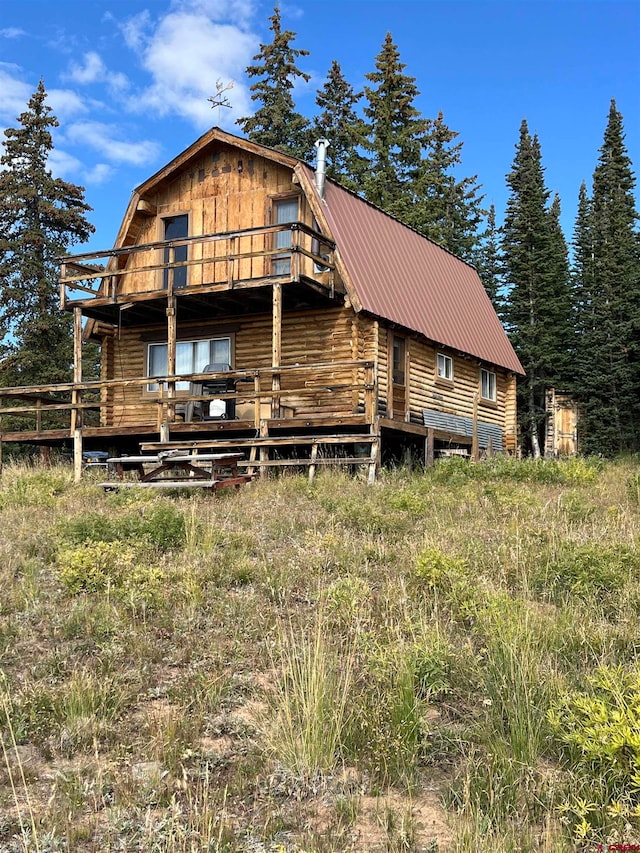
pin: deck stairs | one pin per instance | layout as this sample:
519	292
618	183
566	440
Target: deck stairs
279	452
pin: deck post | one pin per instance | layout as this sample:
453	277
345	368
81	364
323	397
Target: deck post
429	452
475	448
276	347
76	395
171	362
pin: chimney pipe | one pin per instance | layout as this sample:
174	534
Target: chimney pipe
321	164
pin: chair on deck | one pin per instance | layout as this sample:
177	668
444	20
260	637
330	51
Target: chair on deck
214	409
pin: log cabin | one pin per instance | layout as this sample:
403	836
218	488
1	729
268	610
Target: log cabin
250	302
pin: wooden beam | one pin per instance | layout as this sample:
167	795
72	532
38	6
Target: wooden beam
276	346
76	395
172	337
146	207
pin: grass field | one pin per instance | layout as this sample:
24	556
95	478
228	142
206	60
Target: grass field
446	661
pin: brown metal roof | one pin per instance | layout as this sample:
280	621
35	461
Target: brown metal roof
403	277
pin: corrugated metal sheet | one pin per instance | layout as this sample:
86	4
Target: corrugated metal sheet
458	425
400	275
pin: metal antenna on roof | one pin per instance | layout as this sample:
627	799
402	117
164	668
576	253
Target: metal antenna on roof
220	100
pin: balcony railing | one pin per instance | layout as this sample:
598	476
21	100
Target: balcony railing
214	262
55	411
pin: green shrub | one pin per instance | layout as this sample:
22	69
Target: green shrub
160	525
386	730
38	488
597	734
585	571
95	566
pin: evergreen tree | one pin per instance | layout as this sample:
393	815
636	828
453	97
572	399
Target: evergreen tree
538	299
607	287
340	125
446	210
40	218
395	134
276	123
488	261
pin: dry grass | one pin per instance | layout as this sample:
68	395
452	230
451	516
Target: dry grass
314	668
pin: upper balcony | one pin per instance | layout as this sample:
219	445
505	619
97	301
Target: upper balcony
103	284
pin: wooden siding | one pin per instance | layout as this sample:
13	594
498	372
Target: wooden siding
426	391
307	337
221	191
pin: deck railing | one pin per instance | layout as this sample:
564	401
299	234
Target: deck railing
35	413
214	261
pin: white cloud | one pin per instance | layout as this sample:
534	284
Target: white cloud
187	52
66	103
137	30
12	33
98	174
103	138
14	95
65	165
93	70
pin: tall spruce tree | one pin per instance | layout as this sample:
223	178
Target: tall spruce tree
339	123
276	123
448	210
488	261
395	134
607	288
40	218
537	308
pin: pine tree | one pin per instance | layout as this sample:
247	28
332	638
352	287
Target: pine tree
340	125
395	134
537	304
40	218
488	260
276	123
446	210
607	289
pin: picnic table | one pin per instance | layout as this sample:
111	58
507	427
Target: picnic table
176	469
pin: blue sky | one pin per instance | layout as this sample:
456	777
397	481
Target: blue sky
129	79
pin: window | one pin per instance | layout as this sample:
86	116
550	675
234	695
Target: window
488	385
191	357
285	210
175	228
445	367
399	351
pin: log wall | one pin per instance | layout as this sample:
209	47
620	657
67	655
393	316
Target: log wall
307	337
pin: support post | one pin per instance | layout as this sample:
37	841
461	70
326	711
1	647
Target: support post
77	455
171	365
76	395
475	447
429	451
276	347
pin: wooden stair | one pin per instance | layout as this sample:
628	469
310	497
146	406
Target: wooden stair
261	447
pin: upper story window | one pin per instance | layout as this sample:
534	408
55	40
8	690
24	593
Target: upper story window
175	228
191	357
488	385
285	210
444	367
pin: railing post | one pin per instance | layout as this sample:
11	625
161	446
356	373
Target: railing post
369	393
257	402
231	262
76	395
171	360
276	348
